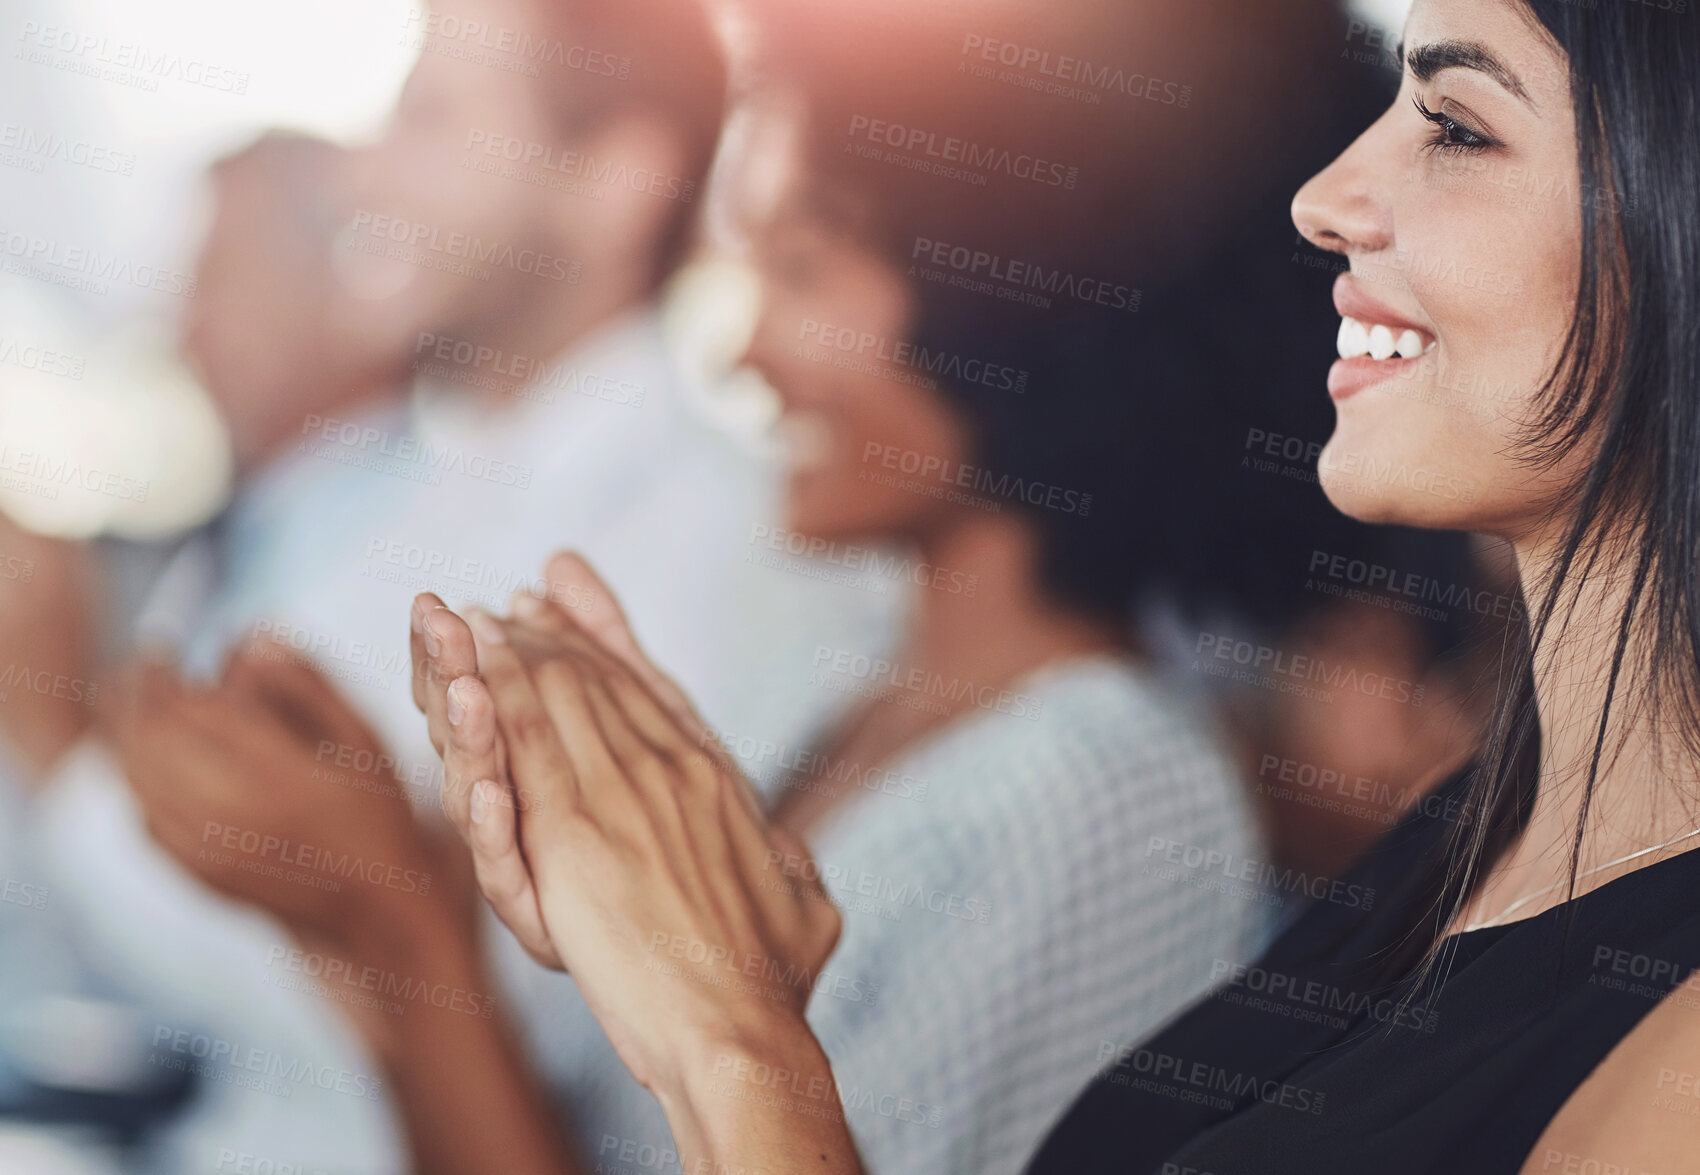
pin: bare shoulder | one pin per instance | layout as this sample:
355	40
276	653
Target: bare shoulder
1638	1113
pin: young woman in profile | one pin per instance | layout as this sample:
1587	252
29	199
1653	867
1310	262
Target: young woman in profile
1519	223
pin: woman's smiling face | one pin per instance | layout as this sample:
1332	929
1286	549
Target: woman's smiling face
1459	214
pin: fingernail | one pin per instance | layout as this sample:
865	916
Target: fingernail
527	606
487	628
478	802
433	643
456	708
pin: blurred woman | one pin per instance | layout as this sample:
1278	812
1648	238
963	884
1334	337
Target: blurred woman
985	811
1002	815
1517	220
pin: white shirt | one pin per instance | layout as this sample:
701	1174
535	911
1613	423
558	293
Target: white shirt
326	551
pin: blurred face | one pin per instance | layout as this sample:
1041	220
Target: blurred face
1459	214
834	320
268	336
424	174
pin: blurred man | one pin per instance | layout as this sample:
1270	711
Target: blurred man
507	238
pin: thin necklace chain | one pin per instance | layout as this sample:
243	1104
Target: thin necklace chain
1527	898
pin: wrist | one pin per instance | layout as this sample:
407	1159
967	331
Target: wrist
410	933
415	974
433	916
719	1074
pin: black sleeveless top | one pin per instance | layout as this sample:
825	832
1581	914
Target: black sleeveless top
1307	1064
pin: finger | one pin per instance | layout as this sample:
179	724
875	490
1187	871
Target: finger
417	646
296	692
469	751
503	875
140	720
456	656
579	594
440	651
173	755
535	755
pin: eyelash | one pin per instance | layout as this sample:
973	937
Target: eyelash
1451	136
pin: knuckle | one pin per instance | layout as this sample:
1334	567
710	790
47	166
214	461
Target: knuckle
556	675
699	771
651	771
504	884
531	727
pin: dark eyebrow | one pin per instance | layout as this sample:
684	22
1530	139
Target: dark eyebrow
1427	60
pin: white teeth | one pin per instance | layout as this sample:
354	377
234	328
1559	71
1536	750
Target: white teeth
1357	339
1354	339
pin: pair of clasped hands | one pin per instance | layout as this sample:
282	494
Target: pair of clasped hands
603	820
608	830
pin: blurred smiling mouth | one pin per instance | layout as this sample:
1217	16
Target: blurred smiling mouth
1375	342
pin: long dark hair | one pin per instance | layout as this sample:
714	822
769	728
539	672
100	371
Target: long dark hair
1628	382
1131	401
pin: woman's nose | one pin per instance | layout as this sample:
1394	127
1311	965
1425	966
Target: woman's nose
1341	209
